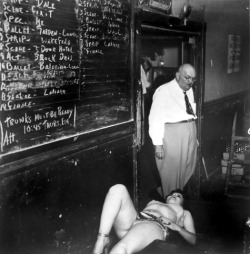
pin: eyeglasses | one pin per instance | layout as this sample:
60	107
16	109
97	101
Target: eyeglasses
188	78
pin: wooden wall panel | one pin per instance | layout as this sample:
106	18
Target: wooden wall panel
55	207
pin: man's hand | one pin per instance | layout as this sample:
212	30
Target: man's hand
159	152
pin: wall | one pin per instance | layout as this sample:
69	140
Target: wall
223	17
224	92
52	190
55	207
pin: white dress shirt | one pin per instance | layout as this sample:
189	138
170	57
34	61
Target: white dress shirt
168	107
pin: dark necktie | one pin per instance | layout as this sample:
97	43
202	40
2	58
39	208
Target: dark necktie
189	109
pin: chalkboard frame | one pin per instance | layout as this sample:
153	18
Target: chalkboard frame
29	158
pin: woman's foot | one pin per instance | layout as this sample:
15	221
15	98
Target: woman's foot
102	244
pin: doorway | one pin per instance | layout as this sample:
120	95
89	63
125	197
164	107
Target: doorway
162	51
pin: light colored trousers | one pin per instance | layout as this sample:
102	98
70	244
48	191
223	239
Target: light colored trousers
180	155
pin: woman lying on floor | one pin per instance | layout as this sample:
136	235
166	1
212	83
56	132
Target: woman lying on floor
136	231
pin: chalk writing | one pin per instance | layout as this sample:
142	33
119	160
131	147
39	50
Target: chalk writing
39	60
55	56
31	123
22	54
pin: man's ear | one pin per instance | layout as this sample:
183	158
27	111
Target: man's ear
177	75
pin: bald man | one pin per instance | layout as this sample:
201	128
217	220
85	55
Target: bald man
172	129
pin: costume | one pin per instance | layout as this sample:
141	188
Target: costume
141	218
179	138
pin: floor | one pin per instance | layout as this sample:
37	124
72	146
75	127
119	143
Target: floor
219	220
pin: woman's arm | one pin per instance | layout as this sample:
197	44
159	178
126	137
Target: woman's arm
187	231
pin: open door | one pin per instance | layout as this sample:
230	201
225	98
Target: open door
164	44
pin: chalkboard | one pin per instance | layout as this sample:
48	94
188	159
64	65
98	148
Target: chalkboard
64	69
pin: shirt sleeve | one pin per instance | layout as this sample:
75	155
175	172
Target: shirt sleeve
144	81
156	117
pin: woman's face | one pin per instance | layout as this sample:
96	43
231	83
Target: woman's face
175	198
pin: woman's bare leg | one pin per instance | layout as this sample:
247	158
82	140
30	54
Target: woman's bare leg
138	237
118	211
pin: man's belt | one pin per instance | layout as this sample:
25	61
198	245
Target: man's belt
184	121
